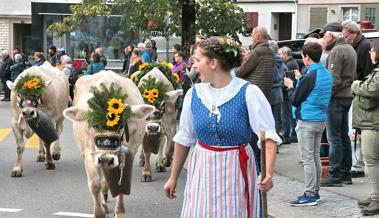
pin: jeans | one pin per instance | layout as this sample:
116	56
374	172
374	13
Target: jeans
309	137
370	150
337	129
7	91
288	122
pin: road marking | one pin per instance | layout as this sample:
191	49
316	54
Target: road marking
33	142
73	214
10	210
4	132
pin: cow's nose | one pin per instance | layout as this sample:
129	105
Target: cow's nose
106	161
28	113
153	128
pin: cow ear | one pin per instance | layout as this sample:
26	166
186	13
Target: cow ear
173	95
10	85
74	114
48	83
142	111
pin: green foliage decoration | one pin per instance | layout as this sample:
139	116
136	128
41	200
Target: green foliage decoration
30	87
163	66
107	108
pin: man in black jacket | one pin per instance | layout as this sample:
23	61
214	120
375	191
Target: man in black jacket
5	73
351	31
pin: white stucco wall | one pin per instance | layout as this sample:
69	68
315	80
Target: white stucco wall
266	18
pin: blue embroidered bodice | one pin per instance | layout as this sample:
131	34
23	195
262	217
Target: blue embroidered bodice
233	127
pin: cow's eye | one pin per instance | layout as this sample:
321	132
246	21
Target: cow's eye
21	103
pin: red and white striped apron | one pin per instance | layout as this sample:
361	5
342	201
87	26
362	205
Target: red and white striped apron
215	185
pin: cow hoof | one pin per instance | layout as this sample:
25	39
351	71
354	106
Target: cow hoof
56	156
141	163
120	215
167	162
16	173
50	166
160	168
146	178
40	158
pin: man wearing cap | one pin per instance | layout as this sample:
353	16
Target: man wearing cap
341	63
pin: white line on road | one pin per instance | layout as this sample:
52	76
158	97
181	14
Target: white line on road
10	210
73	214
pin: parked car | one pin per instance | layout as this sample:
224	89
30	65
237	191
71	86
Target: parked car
297	44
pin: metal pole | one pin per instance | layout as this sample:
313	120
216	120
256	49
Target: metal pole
263	171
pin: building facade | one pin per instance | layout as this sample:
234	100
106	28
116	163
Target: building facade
15	25
279	16
316	13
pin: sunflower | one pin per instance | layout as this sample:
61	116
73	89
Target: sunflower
142	66
115	105
176	77
32	84
151	100
146	93
164	63
154	92
132	77
112	119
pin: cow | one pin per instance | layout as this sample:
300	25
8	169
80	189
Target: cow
98	164
160	128
51	104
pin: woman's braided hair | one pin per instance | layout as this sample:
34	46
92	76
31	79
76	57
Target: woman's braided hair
225	49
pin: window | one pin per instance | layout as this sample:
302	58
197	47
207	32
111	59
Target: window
252	17
370	15
318	17
350	13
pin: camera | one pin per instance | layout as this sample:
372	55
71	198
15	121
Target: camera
290	74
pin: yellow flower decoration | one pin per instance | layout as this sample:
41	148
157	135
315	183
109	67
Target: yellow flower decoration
176	77
146	94
132	77
151	100
142	66
154	93
169	66
115	106
32	84
112	119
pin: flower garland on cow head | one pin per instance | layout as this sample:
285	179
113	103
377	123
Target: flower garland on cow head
107	108
163	66
30	87
153	92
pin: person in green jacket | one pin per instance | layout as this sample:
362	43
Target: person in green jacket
95	65
366	118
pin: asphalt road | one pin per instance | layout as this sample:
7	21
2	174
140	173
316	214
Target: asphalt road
64	192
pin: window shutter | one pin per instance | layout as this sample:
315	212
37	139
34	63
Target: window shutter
318	18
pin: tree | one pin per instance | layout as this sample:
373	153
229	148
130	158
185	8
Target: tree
180	17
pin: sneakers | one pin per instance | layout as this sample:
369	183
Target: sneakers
346	179
371	209
331	182
356	174
304	200
364	203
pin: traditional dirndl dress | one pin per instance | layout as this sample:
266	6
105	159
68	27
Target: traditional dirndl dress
222	172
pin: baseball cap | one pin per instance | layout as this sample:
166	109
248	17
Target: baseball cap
332	27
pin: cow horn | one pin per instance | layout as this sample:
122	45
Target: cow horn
126	132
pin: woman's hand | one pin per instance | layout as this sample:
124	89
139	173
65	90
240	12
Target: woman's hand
297	74
288	82
170	188
265	185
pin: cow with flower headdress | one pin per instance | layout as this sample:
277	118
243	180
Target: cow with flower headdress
158	88
108	116
39	96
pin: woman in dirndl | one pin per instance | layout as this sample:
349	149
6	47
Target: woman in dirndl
217	118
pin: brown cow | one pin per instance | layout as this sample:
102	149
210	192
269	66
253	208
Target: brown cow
160	128
97	164
53	102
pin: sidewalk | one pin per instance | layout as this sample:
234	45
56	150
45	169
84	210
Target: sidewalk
288	184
